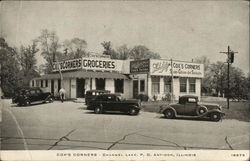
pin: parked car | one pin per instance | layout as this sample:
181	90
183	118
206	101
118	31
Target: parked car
27	96
188	106
92	94
114	102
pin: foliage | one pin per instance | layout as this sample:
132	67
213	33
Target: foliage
49	43
216	78
9	68
142	52
143	97
123	52
74	48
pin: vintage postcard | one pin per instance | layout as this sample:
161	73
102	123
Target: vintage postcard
124	80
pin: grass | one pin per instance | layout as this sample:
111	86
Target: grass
238	110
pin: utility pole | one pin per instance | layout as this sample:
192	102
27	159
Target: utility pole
230	60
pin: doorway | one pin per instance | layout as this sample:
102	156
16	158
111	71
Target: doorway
100	83
80	88
52	87
135	88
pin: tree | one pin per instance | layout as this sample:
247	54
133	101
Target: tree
123	52
50	45
8	68
142	52
74	48
109	51
27	62
206	81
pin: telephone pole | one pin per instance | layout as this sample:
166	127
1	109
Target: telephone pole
230	60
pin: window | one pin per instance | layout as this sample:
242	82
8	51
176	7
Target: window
192	100
33	83
119	86
142	85
167	84
100	83
46	83
192	85
183	84
37	83
155	85
41	83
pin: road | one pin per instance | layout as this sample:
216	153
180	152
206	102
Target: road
68	125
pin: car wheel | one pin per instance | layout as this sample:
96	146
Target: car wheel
169	114
215	116
51	100
98	110
133	111
201	110
26	102
19	104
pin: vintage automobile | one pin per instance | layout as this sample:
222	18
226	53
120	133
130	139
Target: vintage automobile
92	94
114	102
27	96
188	106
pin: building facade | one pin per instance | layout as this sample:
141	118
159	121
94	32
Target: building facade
153	77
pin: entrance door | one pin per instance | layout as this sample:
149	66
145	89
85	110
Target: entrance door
135	88
80	88
52	86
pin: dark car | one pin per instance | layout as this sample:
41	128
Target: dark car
114	102
92	94
27	96
188	106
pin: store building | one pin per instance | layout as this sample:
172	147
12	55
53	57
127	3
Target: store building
152	77
157	78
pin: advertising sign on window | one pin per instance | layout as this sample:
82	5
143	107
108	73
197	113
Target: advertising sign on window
182	69
139	66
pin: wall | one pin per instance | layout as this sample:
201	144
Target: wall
73	88
110	85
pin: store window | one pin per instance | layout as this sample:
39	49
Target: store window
100	83
119	83
155	85
142	85
167	84
192	85
41	83
183	84
46	83
33	83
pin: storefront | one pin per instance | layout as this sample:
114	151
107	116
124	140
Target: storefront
158	78
80	75
153	77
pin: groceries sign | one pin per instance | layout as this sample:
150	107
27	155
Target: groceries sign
89	63
183	69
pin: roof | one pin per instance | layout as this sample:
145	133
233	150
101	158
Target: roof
85	74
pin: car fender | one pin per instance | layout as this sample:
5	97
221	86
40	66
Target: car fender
168	107
215	110
134	106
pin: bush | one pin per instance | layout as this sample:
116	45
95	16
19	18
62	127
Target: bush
143	97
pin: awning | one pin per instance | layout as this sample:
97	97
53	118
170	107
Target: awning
84	74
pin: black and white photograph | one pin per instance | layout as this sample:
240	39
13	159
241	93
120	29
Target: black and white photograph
124	80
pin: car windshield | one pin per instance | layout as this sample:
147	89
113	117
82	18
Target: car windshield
120	97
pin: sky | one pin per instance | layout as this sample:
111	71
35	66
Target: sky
181	30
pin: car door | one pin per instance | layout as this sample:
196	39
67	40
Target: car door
190	106
180	107
32	95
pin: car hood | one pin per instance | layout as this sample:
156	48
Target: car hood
210	105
